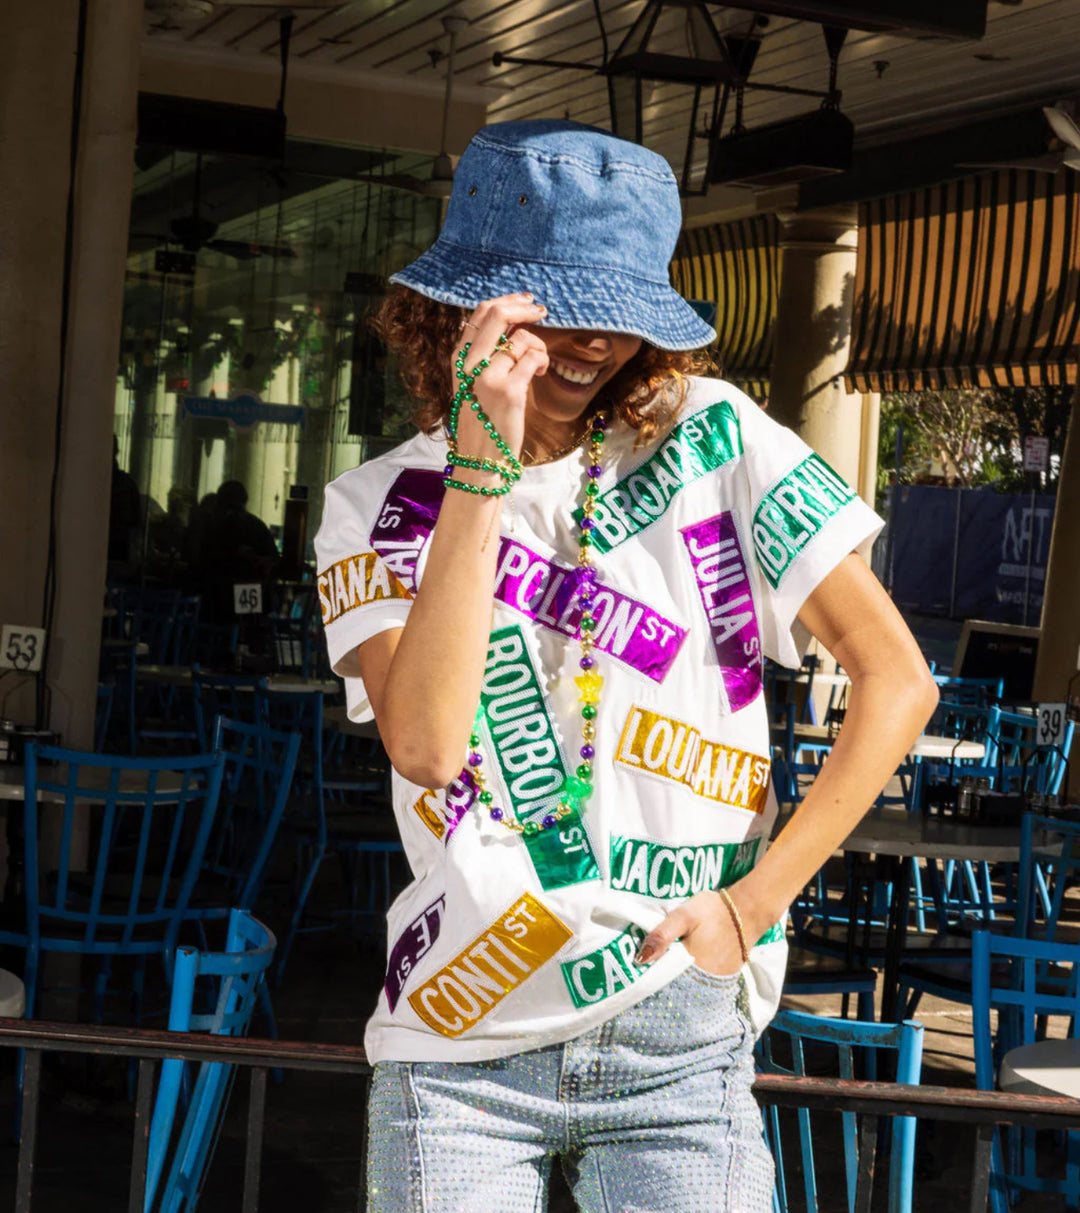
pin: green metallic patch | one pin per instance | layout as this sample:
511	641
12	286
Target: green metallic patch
656	869
598	975
793	512
523	739
699	445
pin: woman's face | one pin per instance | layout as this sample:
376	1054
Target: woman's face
581	363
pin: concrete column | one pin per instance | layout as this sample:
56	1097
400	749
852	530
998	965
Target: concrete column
1060	640
37	53
813	335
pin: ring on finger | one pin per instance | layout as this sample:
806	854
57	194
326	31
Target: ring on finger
468	324
506	349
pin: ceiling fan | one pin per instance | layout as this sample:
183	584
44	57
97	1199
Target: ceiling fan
195	232
442	172
1063	149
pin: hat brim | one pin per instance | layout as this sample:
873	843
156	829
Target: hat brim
576	297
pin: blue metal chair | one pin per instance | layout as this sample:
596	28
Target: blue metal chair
1022	997
229	695
344	814
255	788
1049	864
146	822
970	692
852	1043
182	1138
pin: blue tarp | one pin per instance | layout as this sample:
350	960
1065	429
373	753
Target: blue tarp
970	554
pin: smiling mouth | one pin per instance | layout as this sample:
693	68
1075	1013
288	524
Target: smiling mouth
572	375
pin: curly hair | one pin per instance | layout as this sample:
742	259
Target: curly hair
424	334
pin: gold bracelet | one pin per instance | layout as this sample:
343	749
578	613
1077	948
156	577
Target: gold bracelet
736	919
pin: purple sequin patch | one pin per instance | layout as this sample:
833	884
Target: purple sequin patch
406	520
547	593
720	572
411	946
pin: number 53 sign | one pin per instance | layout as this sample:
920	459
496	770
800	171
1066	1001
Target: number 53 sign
21	648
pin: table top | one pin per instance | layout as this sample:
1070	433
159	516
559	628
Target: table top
13	782
903	834
180	675
337	718
928	745
1045	1067
823	679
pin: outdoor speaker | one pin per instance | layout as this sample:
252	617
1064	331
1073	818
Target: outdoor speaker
797	149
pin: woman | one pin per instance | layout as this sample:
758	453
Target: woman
556	600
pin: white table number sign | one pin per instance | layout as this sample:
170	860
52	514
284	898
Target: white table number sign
247	599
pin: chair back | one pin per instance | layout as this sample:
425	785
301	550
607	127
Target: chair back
182	1139
257	781
185	630
231	695
837	1045
970	692
1019	995
154	621
299	712
291	637
126	836
971	722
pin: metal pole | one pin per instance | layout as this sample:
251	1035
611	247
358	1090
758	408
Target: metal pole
1027	574
955	553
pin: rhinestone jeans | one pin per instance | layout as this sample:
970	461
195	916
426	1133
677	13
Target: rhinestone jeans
649	1113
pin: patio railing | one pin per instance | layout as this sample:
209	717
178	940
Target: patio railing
981	1110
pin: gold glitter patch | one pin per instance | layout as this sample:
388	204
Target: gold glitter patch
356	581
427	809
676	751
480	977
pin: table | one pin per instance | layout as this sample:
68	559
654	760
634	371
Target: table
1045	1067
337	719
180	675
898	837
928	745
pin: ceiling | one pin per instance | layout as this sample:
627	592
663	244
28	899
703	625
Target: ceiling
890	84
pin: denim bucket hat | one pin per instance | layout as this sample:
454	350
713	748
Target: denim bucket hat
584	220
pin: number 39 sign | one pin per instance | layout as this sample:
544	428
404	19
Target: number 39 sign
21	648
1053	719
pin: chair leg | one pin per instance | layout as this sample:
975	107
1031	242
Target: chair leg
318	854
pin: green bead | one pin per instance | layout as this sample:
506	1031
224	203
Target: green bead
487	797
485	363
588	710
585	539
474	740
584	771
597	436
588	624
592	489
577	789
531	828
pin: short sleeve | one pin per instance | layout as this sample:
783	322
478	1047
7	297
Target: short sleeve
359	594
804	519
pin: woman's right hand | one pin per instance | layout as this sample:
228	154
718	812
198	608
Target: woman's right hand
503	387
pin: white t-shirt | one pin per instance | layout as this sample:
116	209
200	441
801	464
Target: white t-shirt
707	544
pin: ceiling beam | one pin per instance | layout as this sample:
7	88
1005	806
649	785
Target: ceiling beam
948	19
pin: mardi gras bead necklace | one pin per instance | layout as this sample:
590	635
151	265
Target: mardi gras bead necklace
577	789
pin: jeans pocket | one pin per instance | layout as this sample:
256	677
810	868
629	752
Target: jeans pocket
718	981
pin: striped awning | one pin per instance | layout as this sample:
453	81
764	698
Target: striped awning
731	273
969	284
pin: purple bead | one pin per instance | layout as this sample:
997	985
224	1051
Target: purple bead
448	470
586	601
496	814
587	751
587	662
599	423
549	821
595	470
475	759
587	524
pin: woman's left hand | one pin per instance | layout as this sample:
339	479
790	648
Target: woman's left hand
705	926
